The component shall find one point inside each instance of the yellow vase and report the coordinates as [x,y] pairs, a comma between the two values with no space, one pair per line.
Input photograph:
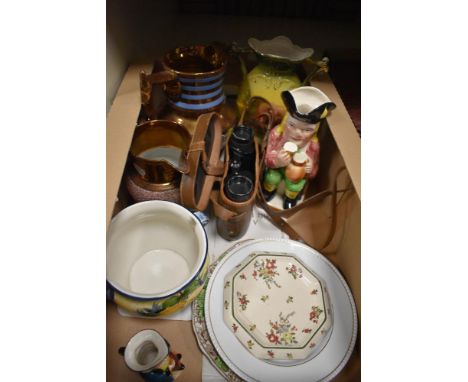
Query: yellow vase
[275,73]
[267,80]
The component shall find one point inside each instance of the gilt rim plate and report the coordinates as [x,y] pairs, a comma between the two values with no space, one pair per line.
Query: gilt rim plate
[199,324]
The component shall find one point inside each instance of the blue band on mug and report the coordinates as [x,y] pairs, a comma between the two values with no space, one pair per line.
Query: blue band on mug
[202,96]
[202,88]
[202,106]
[208,79]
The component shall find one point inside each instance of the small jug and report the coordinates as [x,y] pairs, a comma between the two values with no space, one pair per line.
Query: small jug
[157,152]
[149,354]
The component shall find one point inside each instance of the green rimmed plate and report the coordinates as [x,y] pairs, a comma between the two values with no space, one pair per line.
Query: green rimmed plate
[199,324]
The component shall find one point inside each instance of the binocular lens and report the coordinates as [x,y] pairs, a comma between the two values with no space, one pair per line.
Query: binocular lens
[239,188]
[242,134]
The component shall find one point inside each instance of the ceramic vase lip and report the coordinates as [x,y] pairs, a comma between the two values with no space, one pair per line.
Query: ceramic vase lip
[145,350]
[280,48]
[144,208]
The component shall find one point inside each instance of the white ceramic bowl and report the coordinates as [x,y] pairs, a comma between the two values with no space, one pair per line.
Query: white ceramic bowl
[156,258]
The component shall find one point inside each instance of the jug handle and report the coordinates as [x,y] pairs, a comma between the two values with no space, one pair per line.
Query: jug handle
[236,50]
[242,65]
[167,79]
[320,66]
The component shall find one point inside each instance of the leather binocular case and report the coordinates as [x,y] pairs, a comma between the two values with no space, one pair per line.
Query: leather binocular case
[232,216]
[207,169]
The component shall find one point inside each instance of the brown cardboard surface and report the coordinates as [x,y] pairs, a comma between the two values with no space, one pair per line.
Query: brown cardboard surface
[348,255]
[178,333]
[352,370]
[121,122]
[343,130]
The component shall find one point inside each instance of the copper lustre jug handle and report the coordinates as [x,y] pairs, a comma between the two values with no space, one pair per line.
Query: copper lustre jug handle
[166,78]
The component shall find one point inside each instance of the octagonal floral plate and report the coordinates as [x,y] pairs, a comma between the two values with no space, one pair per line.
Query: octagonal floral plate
[276,307]
[337,346]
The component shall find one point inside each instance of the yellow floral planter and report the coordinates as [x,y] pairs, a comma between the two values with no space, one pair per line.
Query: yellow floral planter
[157,258]
[162,306]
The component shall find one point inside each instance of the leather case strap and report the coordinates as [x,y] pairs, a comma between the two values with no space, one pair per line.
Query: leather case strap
[219,210]
[204,164]
[280,217]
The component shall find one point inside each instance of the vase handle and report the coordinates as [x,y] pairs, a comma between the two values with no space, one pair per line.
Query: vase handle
[318,66]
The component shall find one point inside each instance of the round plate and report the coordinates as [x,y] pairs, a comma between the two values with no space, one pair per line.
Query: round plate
[325,365]
[199,324]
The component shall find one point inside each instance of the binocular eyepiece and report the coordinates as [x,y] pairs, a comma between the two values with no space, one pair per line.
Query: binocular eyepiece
[239,183]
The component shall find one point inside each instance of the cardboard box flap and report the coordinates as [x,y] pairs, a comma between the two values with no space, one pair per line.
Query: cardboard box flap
[121,122]
[343,131]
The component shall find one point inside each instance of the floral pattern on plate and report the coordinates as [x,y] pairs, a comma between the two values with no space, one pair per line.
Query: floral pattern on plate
[278,307]
[266,270]
[282,333]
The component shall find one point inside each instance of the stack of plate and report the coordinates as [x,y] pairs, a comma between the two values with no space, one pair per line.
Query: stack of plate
[332,325]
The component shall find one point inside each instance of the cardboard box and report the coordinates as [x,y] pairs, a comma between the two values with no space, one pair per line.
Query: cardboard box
[340,146]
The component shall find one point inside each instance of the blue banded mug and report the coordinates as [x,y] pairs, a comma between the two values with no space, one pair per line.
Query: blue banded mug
[192,78]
